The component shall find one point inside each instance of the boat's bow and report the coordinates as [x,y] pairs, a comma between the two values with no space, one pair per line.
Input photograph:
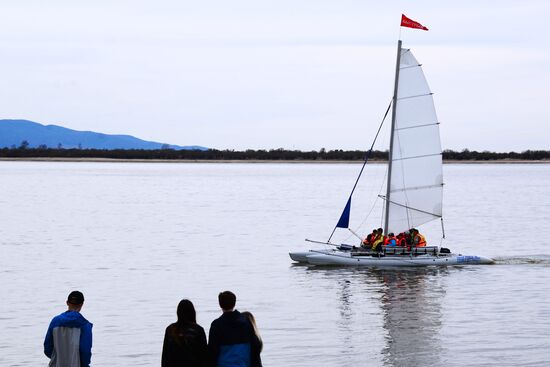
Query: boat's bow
[473,260]
[299,256]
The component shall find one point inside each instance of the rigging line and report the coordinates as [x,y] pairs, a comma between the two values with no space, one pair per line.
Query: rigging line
[372,207]
[375,203]
[367,155]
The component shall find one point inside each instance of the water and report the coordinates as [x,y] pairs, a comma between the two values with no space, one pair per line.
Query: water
[136,238]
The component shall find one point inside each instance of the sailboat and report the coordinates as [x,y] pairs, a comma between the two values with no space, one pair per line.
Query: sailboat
[414,189]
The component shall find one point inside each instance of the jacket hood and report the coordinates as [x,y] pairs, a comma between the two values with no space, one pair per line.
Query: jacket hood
[72,319]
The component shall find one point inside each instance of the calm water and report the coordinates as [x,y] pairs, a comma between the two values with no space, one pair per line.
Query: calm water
[136,238]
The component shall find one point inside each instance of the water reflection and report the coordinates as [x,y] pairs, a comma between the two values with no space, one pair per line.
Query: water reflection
[390,317]
[411,302]
[347,317]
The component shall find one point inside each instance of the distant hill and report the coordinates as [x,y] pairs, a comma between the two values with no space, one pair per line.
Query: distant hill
[14,132]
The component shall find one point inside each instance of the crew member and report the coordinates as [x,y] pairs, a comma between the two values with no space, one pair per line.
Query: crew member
[378,240]
[418,239]
[367,242]
[390,240]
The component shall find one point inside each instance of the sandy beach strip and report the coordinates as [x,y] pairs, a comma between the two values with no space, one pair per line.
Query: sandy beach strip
[116,160]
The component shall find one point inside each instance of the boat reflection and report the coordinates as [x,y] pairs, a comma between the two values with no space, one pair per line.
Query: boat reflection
[384,317]
[411,302]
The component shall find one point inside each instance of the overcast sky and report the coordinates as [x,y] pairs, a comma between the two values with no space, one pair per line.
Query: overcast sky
[260,74]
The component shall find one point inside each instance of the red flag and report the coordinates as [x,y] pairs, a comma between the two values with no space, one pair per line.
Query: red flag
[406,22]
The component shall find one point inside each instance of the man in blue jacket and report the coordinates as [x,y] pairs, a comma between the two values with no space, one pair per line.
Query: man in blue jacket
[68,341]
[232,341]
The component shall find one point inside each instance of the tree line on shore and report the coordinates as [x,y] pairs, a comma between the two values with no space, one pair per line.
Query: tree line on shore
[24,151]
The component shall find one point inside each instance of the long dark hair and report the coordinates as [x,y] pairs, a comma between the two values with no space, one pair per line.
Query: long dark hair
[186,313]
[187,317]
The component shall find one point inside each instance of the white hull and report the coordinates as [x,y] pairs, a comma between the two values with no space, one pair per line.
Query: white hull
[341,258]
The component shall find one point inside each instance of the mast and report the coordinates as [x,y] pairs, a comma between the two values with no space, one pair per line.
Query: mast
[394,108]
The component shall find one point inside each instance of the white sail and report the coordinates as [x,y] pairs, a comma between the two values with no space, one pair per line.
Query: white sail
[415,182]
[416,187]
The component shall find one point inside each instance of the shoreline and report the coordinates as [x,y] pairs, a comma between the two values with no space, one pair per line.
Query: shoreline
[253,161]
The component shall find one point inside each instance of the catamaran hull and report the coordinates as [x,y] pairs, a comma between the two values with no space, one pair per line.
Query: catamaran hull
[300,257]
[337,258]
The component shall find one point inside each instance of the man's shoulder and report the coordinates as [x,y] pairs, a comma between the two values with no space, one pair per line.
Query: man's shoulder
[225,318]
[59,319]
[235,319]
[71,319]
[217,322]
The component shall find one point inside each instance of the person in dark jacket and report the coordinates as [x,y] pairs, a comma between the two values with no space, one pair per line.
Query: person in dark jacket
[185,341]
[232,341]
[68,341]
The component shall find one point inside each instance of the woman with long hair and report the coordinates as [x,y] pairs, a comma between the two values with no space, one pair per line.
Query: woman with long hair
[257,345]
[184,341]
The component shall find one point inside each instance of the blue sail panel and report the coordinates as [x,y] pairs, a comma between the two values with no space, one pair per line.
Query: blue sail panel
[344,218]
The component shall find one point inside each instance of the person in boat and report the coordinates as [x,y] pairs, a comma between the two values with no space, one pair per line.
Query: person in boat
[418,240]
[378,240]
[401,240]
[390,240]
[409,239]
[367,242]
[185,340]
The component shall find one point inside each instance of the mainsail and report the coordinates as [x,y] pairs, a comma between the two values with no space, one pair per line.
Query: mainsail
[415,185]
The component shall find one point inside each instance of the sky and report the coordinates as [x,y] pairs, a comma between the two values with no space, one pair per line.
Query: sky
[256,74]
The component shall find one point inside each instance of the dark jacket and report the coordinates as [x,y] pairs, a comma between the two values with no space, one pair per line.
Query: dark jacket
[184,346]
[68,341]
[232,342]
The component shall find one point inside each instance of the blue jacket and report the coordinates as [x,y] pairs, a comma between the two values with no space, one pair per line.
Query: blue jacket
[69,340]
[232,342]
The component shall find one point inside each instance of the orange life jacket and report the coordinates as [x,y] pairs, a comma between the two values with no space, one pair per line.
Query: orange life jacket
[421,240]
[368,240]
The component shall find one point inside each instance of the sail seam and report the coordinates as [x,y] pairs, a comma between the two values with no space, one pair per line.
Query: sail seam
[418,156]
[414,127]
[415,96]
[410,66]
[418,188]
[411,208]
